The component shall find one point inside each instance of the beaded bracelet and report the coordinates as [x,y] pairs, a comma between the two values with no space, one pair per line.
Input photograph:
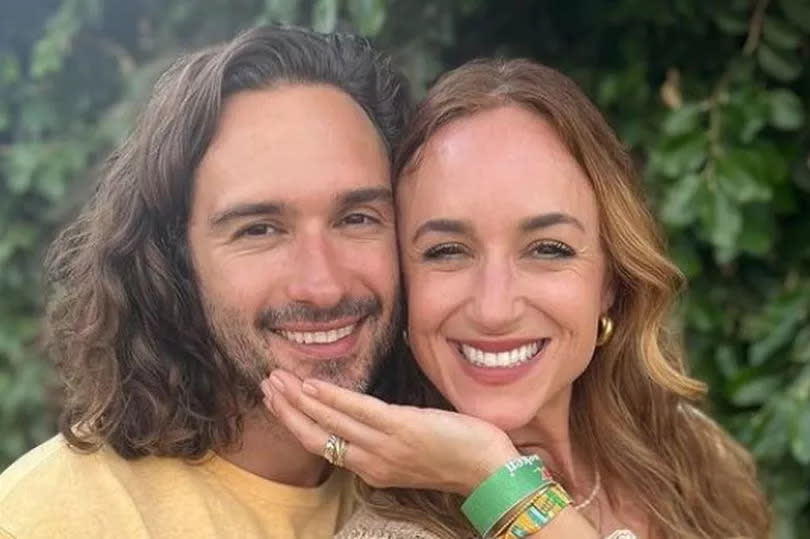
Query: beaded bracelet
[543,508]
[509,518]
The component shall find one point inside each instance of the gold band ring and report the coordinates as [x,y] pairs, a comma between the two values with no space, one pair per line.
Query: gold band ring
[335,450]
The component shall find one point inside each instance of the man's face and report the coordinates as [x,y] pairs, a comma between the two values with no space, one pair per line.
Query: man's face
[292,236]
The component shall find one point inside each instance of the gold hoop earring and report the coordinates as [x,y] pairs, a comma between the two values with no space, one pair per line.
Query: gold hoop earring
[605,330]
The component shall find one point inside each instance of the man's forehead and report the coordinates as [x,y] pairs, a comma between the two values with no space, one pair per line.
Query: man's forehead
[289,114]
[322,150]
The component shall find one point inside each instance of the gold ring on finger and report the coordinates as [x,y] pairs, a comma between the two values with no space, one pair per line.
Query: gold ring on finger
[340,451]
[334,450]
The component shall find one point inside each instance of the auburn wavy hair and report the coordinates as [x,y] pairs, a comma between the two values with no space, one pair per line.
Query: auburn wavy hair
[126,326]
[634,409]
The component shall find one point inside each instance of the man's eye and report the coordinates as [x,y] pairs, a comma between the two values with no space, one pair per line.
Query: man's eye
[257,230]
[551,249]
[359,219]
[445,251]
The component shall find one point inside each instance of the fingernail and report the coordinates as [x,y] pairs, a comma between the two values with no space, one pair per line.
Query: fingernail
[277,383]
[309,389]
[266,389]
[269,403]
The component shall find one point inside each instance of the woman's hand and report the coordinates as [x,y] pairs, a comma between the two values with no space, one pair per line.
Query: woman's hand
[389,445]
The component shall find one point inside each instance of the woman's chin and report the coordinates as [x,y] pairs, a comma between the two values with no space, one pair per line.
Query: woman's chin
[507,418]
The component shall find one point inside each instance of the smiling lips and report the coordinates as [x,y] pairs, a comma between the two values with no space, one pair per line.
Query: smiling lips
[501,355]
[323,341]
[317,337]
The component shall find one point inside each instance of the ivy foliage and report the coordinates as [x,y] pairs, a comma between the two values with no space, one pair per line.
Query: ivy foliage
[711,96]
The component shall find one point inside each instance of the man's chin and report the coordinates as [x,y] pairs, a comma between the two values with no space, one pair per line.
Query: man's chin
[348,373]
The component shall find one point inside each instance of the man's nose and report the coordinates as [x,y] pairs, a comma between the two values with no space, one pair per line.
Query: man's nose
[316,275]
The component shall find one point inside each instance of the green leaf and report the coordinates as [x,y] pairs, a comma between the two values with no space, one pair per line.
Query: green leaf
[798,12]
[54,46]
[678,208]
[683,119]
[284,11]
[324,15]
[783,66]
[684,154]
[23,161]
[773,426]
[787,111]
[758,233]
[367,16]
[756,390]
[738,180]
[800,445]
[726,360]
[723,222]
[731,23]
[782,319]
[51,184]
[801,346]
[18,236]
[5,117]
[9,69]
[780,34]
[609,88]
[686,257]
[801,176]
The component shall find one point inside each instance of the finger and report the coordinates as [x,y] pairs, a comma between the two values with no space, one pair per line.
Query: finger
[311,436]
[328,418]
[364,408]
[314,438]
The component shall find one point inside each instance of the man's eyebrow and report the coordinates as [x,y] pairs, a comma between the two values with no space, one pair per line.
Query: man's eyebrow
[249,209]
[548,219]
[452,226]
[364,196]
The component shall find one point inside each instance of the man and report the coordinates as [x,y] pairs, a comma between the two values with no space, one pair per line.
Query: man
[246,224]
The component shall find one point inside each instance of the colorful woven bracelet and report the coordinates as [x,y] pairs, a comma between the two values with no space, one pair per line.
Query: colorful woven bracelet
[509,518]
[510,485]
[540,512]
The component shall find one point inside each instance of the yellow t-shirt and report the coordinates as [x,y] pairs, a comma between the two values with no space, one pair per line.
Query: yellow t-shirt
[53,492]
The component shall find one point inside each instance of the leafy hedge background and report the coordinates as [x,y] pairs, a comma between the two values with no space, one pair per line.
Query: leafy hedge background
[712,96]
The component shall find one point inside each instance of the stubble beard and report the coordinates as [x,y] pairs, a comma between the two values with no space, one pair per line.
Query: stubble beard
[247,345]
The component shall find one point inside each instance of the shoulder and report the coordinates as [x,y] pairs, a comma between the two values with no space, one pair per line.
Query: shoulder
[55,488]
[48,480]
[365,524]
[47,463]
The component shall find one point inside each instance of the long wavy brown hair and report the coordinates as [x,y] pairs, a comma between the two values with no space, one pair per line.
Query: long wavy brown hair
[634,409]
[127,328]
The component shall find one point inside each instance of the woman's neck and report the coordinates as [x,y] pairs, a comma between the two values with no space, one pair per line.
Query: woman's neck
[548,434]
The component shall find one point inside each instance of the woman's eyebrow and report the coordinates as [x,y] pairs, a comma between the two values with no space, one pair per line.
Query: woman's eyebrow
[453,226]
[549,219]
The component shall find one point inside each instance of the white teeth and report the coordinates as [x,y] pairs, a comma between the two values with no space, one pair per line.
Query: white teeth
[317,337]
[510,358]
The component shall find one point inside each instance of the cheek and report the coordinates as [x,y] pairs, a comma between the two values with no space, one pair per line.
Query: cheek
[571,299]
[433,298]
[375,266]
[238,282]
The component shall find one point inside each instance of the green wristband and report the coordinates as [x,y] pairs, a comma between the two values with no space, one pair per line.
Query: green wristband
[508,486]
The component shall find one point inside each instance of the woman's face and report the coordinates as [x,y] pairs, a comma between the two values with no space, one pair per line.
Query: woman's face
[505,274]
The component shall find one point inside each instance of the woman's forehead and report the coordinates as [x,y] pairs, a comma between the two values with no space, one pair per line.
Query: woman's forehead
[504,159]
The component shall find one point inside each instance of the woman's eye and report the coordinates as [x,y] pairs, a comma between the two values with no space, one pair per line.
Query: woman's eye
[257,230]
[551,249]
[358,219]
[444,251]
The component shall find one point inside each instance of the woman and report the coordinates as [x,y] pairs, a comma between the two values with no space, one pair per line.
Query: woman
[538,301]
